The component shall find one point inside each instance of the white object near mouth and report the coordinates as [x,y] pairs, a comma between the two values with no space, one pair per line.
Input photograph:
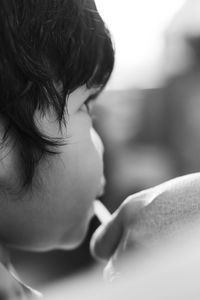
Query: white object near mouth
[101,212]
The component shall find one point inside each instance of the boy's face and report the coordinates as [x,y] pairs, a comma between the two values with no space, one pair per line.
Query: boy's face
[57,212]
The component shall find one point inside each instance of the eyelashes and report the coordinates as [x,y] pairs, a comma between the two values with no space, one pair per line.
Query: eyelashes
[89,105]
[90,102]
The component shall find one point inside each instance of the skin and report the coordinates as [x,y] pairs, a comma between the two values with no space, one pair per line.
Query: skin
[56,212]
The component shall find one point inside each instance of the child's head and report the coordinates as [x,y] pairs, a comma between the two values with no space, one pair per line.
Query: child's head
[54,55]
[49,48]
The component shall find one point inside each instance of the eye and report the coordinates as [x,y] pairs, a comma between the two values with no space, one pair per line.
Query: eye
[89,104]
[85,107]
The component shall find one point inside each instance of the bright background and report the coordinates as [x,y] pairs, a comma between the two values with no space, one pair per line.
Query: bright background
[137,28]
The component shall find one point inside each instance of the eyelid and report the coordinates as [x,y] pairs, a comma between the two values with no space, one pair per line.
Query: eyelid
[89,104]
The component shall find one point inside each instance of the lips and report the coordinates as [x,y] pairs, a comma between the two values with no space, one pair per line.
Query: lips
[101,190]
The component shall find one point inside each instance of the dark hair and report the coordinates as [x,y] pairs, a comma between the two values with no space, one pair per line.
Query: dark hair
[43,42]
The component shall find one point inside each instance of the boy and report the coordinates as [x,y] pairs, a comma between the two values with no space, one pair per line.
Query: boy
[55,58]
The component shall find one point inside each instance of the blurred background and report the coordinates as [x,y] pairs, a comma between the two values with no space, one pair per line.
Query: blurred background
[148,116]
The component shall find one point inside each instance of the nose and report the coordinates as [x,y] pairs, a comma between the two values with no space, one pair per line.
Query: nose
[100,150]
[97,142]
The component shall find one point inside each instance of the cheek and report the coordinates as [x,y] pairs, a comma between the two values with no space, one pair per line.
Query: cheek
[83,187]
[81,172]
[87,171]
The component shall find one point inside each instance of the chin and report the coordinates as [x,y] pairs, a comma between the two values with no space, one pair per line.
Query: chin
[69,246]
[76,240]
[33,247]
